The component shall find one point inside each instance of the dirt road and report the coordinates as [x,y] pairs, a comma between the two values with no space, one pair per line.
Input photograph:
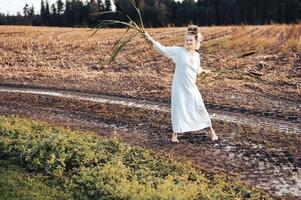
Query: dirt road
[256,148]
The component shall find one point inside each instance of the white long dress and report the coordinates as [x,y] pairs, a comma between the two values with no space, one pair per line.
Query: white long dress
[188,112]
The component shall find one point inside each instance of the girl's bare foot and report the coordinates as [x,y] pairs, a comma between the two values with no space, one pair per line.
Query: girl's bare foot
[175,138]
[213,135]
[214,138]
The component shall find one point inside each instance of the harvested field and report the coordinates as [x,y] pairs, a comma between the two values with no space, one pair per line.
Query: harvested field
[60,75]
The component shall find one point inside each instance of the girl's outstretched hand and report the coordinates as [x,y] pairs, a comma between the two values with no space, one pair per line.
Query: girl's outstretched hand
[207,71]
[147,37]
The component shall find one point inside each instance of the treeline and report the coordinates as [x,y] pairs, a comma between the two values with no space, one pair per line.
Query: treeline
[68,13]
[157,13]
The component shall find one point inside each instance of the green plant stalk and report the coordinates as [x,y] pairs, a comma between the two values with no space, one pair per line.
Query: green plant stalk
[135,5]
[120,45]
[218,69]
[123,40]
[126,15]
[116,43]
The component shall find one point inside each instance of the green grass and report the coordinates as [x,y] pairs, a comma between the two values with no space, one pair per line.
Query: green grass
[17,184]
[92,167]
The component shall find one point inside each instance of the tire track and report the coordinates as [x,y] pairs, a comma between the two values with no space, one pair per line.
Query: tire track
[246,118]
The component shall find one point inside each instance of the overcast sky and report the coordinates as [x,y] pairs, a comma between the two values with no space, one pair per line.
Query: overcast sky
[13,6]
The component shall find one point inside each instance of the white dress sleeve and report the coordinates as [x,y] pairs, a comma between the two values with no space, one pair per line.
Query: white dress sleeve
[170,52]
[200,69]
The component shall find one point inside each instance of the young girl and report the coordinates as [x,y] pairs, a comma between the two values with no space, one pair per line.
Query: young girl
[188,112]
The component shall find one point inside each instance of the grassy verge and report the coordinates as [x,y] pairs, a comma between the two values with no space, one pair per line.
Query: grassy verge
[17,184]
[91,167]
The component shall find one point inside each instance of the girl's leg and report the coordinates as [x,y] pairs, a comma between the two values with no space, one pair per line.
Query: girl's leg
[174,137]
[212,133]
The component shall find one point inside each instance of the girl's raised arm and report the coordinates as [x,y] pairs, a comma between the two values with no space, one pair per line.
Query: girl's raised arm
[169,52]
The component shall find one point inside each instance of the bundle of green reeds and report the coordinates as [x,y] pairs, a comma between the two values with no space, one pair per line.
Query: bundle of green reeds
[133,29]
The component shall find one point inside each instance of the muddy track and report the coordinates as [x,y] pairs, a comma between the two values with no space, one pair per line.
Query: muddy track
[258,150]
[281,109]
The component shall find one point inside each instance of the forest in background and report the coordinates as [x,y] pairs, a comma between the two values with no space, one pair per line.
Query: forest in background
[159,13]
